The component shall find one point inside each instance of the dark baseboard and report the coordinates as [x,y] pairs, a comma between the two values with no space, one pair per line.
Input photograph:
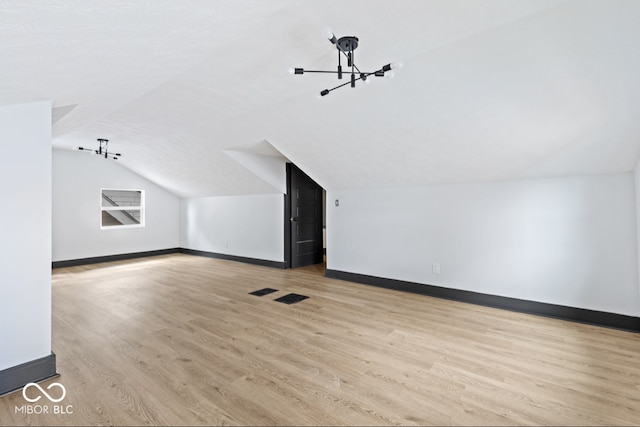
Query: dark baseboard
[122,257]
[599,318]
[254,261]
[16,377]
[109,258]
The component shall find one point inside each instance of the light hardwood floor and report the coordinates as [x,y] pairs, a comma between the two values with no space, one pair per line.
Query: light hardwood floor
[177,340]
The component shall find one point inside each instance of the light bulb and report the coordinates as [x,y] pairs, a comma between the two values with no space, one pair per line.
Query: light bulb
[290,71]
[328,33]
[390,74]
[397,65]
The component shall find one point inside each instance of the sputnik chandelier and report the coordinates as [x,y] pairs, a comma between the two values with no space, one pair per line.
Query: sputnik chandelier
[102,150]
[346,47]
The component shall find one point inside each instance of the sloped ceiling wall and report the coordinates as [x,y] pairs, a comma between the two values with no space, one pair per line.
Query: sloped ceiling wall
[490,90]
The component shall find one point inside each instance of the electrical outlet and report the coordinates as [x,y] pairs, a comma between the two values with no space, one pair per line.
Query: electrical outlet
[435,268]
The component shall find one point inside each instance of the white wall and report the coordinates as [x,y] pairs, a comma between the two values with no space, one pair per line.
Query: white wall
[637,188]
[246,226]
[25,230]
[78,178]
[568,241]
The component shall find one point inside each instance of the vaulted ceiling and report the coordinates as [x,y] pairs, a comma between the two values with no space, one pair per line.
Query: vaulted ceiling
[490,89]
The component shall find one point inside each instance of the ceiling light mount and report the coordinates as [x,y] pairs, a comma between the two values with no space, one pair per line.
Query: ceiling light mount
[347,43]
[103,150]
[346,47]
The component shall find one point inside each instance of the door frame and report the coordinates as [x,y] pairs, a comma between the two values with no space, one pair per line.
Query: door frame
[287,218]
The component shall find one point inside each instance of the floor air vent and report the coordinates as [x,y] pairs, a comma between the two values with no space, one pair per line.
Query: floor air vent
[261,292]
[291,298]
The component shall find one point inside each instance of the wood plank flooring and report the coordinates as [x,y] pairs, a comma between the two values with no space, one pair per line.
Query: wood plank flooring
[178,340]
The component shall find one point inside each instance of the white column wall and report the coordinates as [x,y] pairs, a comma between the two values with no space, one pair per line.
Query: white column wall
[637,188]
[568,241]
[25,233]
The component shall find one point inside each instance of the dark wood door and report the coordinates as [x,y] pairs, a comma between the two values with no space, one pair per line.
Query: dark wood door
[305,222]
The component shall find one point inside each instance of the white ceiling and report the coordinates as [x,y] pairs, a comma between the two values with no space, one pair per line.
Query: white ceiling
[490,89]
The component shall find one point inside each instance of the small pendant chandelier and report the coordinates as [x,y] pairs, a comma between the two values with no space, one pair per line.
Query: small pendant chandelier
[346,47]
[102,150]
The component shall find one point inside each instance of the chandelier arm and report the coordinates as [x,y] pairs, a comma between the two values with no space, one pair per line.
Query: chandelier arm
[320,71]
[367,73]
[347,83]
[353,64]
[381,71]
[338,87]
[353,61]
[335,72]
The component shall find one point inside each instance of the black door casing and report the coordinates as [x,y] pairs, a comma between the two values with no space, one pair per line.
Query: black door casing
[304,211]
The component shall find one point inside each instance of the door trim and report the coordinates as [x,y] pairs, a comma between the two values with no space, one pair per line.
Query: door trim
[288,248]
[287,220]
